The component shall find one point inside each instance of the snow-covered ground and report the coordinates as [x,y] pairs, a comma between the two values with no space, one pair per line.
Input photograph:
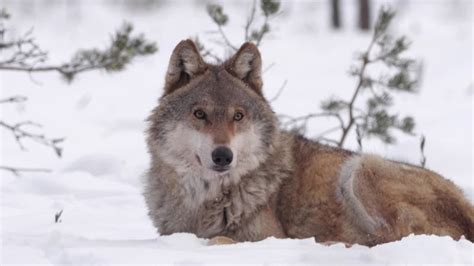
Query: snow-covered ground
[97,182]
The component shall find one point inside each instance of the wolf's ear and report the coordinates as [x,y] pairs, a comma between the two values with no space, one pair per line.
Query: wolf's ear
[185,63]
[246,65]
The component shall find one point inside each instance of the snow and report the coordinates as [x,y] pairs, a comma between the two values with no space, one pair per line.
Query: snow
[97,183]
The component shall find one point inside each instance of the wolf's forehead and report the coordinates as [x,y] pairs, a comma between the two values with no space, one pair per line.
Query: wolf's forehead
[222,92]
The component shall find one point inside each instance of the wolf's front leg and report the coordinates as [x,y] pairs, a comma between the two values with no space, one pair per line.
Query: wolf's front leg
[212,216]
[233,212]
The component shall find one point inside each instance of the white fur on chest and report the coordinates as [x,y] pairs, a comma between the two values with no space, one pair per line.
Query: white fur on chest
[198,189]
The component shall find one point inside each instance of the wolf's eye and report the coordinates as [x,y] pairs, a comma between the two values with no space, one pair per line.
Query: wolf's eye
[238,116]
[199,114]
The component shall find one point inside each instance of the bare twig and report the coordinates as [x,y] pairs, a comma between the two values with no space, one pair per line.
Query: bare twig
[263,32]
[327,140]
[226,40]
[57,216]
[14,99]
[22,52]
[19,133]
[208,53]
[328,131]
[280,90]
[307,117]
[359,137]
[348,127]
[265,70]
[304,120]
[16,171]
[250,20]
[64,69]
[422,150]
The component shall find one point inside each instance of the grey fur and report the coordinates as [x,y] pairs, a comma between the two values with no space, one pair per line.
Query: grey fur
[347,187]
[278,184]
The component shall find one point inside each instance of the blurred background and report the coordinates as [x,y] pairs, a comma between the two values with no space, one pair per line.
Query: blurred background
[85,163]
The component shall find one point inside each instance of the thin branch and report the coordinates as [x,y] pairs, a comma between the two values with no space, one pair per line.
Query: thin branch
[19,134]
[31,68]
[57,216]
[268,67]
[64,69]
[327,140]
[359,136]
[280,90]
[331,130]
[224,37]
[260,37]
[306,118]
[14,99]
[208,53]
[365,62]
[24,51]
[422,150]
[250,20]
[16,171]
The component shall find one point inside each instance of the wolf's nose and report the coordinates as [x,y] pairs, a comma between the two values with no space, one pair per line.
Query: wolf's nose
[222,156]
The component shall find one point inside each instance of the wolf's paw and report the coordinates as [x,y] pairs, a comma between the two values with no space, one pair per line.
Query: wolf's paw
[232,226]
[220,240]
[233,219]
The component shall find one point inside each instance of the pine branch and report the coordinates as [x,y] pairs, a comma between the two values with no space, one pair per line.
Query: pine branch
[24,54]
[27,56]
[269,9]
[360,83]
[374,119]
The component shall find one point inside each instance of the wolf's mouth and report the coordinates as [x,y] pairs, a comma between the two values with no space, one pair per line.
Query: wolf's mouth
[221,169]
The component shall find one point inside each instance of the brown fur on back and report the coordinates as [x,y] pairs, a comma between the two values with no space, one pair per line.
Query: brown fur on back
[411,199]
[390,200]
[308,203]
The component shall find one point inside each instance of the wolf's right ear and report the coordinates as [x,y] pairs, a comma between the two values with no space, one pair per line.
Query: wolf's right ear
[246,65]
[185,63]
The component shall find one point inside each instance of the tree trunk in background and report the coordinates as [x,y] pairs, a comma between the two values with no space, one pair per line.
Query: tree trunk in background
[364,14]
[336,14]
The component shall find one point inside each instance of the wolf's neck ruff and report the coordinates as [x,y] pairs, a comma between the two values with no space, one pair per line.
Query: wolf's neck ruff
[201,186]
[216,204]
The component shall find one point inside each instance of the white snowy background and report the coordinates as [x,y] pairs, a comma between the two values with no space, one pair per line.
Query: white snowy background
[97,182]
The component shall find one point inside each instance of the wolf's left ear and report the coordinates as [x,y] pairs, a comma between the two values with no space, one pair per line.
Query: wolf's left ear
[185,63]
[246,65]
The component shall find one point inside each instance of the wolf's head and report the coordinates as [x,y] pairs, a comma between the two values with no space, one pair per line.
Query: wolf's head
[212,120]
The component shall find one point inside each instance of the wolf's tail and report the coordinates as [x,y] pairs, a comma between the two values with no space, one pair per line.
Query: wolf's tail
[469,224]
[460,212]
[469,232]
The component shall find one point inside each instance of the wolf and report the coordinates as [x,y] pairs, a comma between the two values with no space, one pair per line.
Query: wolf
[221,167]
